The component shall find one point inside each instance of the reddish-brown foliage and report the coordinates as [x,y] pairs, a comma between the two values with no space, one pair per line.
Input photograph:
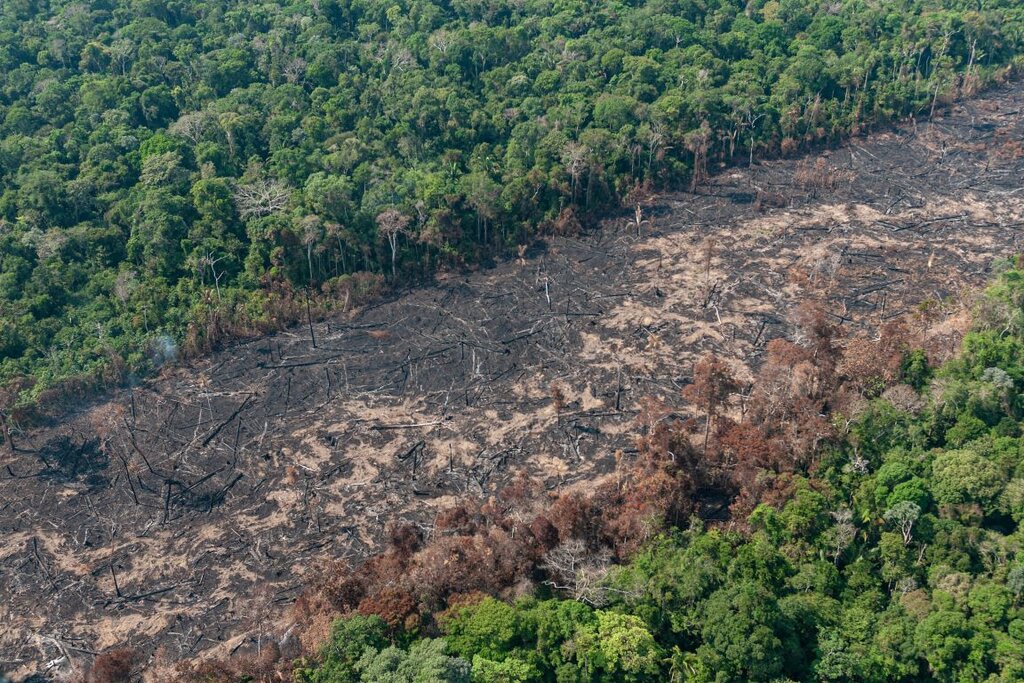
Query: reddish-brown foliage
[457,520]
[544,531]
[872,365]
[640,508]
[404,538]
[790,397]
[115,666]
[567,224]
[262,666]
[393,604]
[744,447]
[575,516]
[765,488]
[712,386]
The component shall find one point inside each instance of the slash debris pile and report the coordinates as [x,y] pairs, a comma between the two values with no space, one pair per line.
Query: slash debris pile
[183,513]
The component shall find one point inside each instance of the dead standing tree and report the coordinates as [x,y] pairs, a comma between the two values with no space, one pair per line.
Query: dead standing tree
[699,142]
[9,414]
[8,397]
[312,233]
[192,126]
[712,385]
[574,568]
[392,223]
[638,220]
[261,198]
[574,157]
[708,257]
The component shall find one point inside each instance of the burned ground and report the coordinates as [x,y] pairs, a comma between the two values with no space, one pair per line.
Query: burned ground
[183,514]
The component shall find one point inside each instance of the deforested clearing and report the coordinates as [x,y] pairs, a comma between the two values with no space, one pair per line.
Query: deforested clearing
[183,514]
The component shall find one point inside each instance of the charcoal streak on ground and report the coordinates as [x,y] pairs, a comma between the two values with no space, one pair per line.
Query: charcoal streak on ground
[185,513]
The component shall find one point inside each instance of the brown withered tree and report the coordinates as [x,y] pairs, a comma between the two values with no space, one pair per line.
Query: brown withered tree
[114,666]
[712,385]
[873,364]
[791,398]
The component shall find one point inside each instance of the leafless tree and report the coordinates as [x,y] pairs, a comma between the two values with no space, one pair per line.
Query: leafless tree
[906,585]
[294,70]
[904,398]
[191,126]
[903,516]
[858,463]
[655,144]
[125,284]
[403,60]
[207,260]
[442,41]
[574,156]
[638,220]
[578,571]
[842,534]
[121,52]
[261,198]
[312,231]
[749,121]
[391,224]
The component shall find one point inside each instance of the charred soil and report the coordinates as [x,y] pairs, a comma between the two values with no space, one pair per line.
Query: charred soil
[184,514]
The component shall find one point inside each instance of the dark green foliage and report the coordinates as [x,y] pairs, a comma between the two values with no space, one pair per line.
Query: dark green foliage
[351,640]
[184,170]
[907,568]
[915,369]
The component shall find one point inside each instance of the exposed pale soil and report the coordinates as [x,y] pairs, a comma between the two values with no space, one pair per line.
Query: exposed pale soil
[182,515]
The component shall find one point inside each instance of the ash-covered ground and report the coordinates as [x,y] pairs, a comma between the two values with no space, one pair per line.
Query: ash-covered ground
[182,515]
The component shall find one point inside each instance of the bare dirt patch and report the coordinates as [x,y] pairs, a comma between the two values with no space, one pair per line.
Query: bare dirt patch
[182,514]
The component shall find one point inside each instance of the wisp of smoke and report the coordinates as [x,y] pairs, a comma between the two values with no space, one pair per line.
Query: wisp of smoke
[162,349]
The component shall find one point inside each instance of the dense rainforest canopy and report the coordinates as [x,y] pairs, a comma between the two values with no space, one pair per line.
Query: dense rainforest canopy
[176,173]
[892,554]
